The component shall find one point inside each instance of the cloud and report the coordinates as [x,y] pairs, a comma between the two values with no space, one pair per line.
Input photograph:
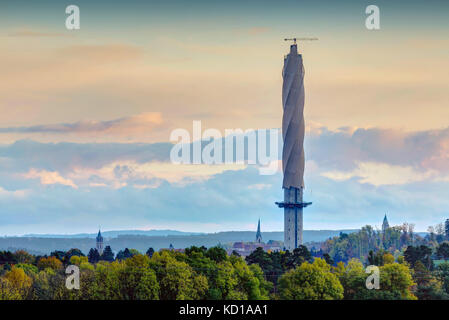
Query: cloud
[344,149]
[137,127]
[147,174]
[225,201]
[382,174]
[353,176]
[374,155]
[117,126]
[49,177]
[15,193]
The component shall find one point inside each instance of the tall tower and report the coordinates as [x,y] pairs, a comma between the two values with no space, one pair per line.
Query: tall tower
[293,152]
[258,233]
[99,243]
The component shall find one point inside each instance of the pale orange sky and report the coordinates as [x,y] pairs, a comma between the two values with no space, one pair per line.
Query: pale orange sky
[379,80]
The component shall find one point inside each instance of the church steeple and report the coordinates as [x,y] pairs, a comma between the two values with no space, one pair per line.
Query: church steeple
[385,224]
[99,242]
[258,233]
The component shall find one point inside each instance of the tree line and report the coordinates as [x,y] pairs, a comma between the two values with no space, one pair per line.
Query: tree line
[337,270]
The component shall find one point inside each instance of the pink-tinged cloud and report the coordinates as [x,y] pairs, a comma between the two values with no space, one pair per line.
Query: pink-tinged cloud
[49,177]
[345,149]
[133,126]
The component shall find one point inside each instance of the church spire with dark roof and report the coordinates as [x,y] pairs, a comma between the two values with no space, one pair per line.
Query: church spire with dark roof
[385,224]
[258,233]
[99,244]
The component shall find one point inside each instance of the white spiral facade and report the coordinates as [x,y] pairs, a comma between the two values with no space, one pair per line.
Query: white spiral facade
[293,120]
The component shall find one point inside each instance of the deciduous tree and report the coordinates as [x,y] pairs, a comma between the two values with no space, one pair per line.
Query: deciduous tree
[310,281]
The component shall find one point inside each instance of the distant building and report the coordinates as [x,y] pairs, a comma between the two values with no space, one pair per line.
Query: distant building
[239,246]
[245,248]
[258,233]
[274,245]
[385,224]
[99,243]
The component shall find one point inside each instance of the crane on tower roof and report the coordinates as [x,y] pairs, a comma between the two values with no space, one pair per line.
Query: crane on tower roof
[300,39]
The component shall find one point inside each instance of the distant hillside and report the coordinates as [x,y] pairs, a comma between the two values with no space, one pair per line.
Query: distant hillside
[113,234]
[46,244]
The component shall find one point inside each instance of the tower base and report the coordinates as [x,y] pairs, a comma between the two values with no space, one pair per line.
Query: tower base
[293,217]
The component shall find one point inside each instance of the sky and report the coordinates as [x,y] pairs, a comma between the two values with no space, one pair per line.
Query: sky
[87,114]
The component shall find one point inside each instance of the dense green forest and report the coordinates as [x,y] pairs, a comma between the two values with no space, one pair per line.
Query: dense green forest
[411,267]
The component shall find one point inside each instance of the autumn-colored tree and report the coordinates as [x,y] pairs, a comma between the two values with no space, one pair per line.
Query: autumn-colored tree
[78,260]
[49,284]
[72,252]
[20,283]
[427,287]
[7,291]
[49,262]
[200,273]
[28,268]
[41,287]
[397,278]
[24,257]
[86,266]
[388,258]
